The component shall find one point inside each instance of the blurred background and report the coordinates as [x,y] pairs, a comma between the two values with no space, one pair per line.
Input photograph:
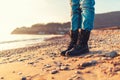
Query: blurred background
[46,17]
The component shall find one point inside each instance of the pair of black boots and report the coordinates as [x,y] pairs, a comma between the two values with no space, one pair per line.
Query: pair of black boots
[78,44]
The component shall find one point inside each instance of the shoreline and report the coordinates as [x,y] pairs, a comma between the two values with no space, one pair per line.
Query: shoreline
[29,48]
[43,61]
[28,45]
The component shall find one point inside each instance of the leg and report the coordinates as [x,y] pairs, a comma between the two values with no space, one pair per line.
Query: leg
[87,7]
[75,14]
[74,25]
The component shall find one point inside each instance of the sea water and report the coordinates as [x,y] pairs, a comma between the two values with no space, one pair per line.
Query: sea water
[10,41]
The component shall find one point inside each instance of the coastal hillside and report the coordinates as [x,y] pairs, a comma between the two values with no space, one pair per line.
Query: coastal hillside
[105,20]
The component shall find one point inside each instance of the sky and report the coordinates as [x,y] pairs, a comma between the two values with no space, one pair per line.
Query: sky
[19,13]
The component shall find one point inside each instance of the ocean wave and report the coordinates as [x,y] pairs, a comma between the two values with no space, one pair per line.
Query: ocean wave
[13,41]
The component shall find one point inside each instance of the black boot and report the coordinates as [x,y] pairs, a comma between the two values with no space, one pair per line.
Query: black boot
[73,37]
[82,46]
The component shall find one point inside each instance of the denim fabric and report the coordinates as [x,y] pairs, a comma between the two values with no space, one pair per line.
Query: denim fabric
[82,14]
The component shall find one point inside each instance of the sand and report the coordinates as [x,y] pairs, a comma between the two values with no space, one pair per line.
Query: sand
[43,60]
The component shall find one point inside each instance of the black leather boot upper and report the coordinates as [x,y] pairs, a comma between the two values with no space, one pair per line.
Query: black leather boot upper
[73,41]
[82,45]
[83,37]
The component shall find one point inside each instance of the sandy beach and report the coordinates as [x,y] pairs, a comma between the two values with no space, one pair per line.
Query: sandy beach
[43,61]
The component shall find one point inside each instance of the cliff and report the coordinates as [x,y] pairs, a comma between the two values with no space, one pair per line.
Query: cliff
[104,20]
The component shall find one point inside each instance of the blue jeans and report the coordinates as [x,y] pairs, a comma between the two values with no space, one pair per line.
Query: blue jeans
[82,14]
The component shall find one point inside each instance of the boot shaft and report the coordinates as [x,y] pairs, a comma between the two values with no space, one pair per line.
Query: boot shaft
[74,36]
[83,37]
[73,39]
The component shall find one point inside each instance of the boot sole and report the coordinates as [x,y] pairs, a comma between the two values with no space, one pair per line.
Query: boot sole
[78,54]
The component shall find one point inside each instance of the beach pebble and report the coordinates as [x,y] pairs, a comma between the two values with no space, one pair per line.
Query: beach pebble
[31,63]
[54,71]
[40,59]
[111,54]
[47,66]
[53,58]
[102,55]
[52,77]
[19,73]
[13,72]
[74,60]
[78,78]
[65,58]
[21,59]
[86,64]
[58,63]
[70,79]
[97,55]
[64,67]
[88,56]
[79,66]
[116,69]
[81,57]
[10,61]
[73,76]
[23,78]
[93,62]
[52,54]
[2,78]
[67,64]
[105,58]
[87,71]
[77,72]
